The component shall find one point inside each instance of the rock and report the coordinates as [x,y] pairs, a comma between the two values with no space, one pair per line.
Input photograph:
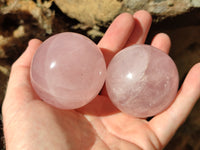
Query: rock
[196,3]
[3,41]
[162,8]
[71,85]
[142,81]
[18,25]
[100,12]
[89,11]
[186,51]
[4,74]
[40,11]
[18,33]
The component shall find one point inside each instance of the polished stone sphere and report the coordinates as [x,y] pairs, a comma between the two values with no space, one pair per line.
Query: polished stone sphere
[68,70]
[142,81]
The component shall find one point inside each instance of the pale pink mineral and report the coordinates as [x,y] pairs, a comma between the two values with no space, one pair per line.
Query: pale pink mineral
[68,70]
[142,81]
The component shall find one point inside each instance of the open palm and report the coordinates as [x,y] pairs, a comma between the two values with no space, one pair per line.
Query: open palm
[29,123]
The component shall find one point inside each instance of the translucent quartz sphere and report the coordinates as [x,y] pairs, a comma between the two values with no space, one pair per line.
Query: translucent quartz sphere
[142,81]
[68,70]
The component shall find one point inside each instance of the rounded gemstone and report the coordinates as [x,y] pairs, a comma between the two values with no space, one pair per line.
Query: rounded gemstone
[142,81]
[68,70]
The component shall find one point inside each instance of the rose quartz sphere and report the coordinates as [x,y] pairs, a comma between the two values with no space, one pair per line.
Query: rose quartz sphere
[142,81]
[68,70]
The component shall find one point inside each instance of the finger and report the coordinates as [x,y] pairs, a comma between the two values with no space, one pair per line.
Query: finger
[118,33]
[131,129]
[26,58]
[19,81]
[20,69]
[116,36]
[143,22]
[165,124]
[162,42]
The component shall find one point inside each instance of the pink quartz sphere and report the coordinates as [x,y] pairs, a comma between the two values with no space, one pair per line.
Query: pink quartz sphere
[142,81]
[68,70]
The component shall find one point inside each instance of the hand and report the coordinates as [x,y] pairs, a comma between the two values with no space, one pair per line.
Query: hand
[29,123]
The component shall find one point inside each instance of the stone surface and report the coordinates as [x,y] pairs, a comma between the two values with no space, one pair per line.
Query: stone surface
[4,75]
[89,11]
[142,80]
[101,12]
[195,3]
[39,11]
[3,41]
[68,70]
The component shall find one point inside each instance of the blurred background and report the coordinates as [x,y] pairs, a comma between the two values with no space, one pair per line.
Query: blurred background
[22,20]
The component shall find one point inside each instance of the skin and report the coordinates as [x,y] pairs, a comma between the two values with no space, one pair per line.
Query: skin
[29,123]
